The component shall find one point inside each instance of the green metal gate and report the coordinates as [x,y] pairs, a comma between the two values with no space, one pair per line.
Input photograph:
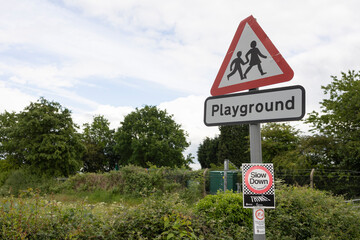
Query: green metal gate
[217,181]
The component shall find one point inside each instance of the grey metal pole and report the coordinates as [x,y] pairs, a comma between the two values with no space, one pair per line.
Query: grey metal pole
[226,168]
[255,143]
[255,157]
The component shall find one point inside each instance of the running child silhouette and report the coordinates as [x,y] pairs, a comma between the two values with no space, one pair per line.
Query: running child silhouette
[237,62]
[254,53]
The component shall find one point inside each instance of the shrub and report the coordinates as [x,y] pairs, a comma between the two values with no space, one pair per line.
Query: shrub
[23,179]
[138,182]
[164,217]
[39,218]
[226,208]
[305,213]
[223,216]
[301,213]
[35,217]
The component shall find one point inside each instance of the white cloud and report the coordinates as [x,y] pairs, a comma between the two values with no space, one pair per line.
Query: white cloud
[12,99]
[56,47]
[115,115]
[169,42]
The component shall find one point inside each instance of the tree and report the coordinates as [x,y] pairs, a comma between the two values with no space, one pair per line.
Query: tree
[339,121]
[151,136]
[7,123]
[98,139]
[44,137]
[99,142]
[208,152]
[234,144]
[277,139]
[283,146]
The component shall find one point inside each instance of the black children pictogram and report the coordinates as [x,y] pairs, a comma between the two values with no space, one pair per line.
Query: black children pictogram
[254,53]
[237,62]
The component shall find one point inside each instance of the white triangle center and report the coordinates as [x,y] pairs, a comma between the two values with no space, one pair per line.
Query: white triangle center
[250,57]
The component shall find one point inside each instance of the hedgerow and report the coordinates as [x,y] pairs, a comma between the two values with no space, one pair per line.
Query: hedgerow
[300,213]
[136,181]
[305,213]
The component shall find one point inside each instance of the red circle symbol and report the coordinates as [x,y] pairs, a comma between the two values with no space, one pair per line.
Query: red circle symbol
[260,214]
[268,183]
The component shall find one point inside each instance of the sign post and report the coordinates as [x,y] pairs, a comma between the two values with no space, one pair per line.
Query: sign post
[252,61]
[256,157]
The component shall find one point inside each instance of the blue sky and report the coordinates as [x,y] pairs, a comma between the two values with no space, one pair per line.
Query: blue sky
[109,57]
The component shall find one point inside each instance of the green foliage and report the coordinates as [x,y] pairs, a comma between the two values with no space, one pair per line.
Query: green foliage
[5,169]
[156,218]
[177,226]
[139,182]
[208,152]
[150,136]
[335,148]
[22,179]
[234,144]
[284,147]
[226,208]
[339,120]
[99,142]
[44,137]
[304,213]
[339,113]
[277,139]
[301,213]
[7,123]
[164,217]
[40,218]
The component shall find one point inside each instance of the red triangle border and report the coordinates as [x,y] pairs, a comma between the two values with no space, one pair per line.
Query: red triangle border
[287,75]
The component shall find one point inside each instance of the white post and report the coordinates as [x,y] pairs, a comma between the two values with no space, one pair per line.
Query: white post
[312,178]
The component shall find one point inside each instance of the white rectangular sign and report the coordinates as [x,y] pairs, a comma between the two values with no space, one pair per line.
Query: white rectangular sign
[259,221]
[270,105]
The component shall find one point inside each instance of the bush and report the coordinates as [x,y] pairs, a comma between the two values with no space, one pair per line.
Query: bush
[5,169]
[305,213]
[224,217]
[226,208]
[301,213]
[164,217]
[139,182]
[40,218]
[23,179]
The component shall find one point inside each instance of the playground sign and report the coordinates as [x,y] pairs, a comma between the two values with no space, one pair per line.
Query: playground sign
[270,105]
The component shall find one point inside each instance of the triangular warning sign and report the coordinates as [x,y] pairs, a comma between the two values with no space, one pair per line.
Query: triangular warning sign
[252,61]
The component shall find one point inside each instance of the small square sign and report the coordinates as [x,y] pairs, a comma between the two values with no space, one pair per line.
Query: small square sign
[258,185]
